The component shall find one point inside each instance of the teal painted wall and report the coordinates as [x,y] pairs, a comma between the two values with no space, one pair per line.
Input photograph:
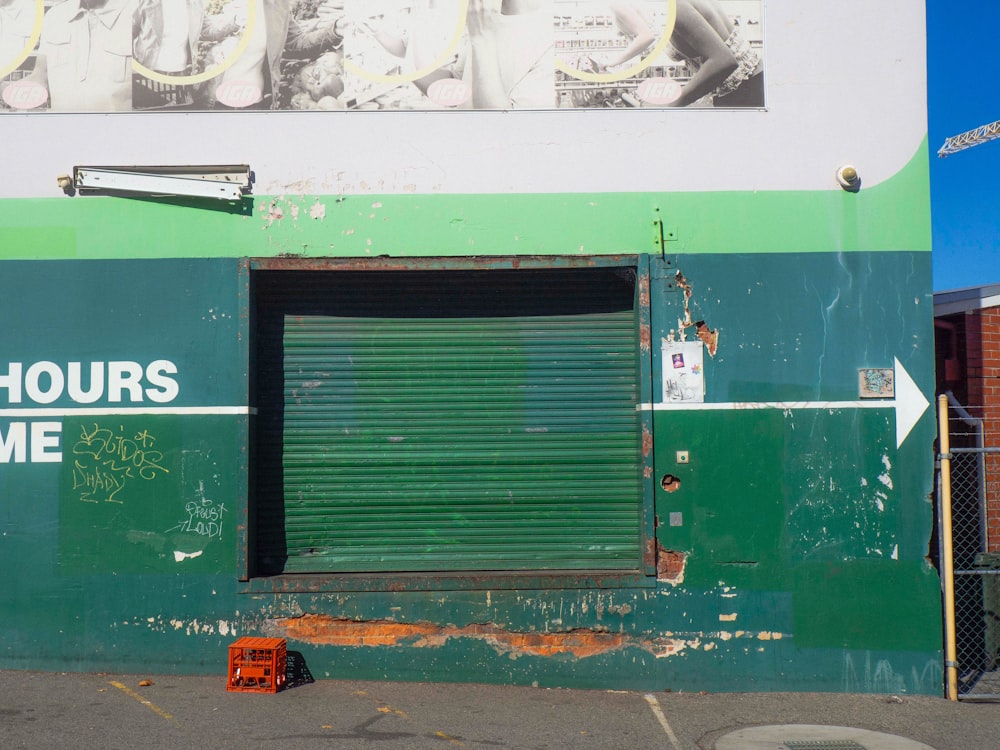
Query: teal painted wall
[803,531]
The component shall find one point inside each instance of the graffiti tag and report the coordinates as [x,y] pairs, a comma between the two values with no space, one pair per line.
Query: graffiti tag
[106,460]
[203,517]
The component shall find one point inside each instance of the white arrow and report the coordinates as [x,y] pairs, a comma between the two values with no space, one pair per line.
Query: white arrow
[909,404]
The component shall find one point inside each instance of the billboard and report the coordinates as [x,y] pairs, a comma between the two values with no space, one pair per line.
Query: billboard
[207,55]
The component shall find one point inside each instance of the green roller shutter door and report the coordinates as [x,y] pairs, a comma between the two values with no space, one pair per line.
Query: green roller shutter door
[471,427]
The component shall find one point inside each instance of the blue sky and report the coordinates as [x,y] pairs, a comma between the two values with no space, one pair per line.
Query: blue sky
[964,93]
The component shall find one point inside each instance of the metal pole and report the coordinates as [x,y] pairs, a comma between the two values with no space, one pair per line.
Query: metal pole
[947,559]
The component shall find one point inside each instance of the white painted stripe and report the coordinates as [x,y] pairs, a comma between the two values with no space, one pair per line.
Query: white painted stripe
[84,411]
[909,404]
[660,717]
[784,405]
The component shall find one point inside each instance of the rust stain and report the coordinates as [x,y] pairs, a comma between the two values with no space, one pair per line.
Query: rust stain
[645,337]
[428,263]
[708,336]
[416,582]
[649,548]
[580,642]
[647,442]
[326,630]
[670,564]
[644,291]
[670,483]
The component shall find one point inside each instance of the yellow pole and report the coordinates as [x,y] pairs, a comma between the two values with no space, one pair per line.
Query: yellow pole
[947,560]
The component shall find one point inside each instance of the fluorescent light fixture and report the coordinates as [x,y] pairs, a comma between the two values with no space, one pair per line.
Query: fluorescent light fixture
[222,182]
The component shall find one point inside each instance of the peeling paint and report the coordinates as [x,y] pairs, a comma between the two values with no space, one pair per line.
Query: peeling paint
[579,643]
[193,627]
[647,441]
[708,336]
[645,337]
[317,211]
[670,565]
[274,212]
[645,333]
[885,477]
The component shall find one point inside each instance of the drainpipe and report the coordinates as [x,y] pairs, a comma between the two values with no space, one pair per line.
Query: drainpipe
[947,561]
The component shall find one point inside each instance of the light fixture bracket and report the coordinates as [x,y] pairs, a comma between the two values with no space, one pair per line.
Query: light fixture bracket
[228,182]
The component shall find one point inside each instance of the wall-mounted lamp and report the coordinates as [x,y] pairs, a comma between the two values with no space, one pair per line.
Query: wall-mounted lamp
[849,179]
[223,182]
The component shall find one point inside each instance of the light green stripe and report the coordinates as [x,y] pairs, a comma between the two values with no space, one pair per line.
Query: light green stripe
[891,216]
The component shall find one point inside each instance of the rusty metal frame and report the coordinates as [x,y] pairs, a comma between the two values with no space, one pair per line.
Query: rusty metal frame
[442,263]
[307,583]
[645,369]
[244,540]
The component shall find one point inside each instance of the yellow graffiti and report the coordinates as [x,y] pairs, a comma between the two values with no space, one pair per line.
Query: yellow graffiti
[106,459]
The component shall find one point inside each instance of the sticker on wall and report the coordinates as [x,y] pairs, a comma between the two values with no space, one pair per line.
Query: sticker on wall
[876,382]
[683,371]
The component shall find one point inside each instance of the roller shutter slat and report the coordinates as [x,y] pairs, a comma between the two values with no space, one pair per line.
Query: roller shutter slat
[450,442]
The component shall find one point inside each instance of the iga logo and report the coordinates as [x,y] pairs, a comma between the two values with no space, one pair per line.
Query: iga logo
[25,95]
[449,92]
[238,94]
[659,90]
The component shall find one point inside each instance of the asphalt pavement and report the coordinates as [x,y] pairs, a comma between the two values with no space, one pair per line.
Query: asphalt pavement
[72,710]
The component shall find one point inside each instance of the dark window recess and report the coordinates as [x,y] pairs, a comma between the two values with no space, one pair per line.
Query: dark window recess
[443,421]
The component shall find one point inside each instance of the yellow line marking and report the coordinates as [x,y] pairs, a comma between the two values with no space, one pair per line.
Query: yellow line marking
[143,701]
[449,738]
[385,708]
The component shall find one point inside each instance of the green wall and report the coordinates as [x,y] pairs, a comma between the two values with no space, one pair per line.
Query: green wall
[803,531]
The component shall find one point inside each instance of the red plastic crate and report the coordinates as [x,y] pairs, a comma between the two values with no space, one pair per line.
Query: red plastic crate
[257,665]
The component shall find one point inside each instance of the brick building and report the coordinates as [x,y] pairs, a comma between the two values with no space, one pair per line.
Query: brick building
[967,349]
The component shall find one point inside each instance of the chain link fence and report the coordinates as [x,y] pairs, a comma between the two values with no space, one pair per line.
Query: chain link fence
[975,504]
